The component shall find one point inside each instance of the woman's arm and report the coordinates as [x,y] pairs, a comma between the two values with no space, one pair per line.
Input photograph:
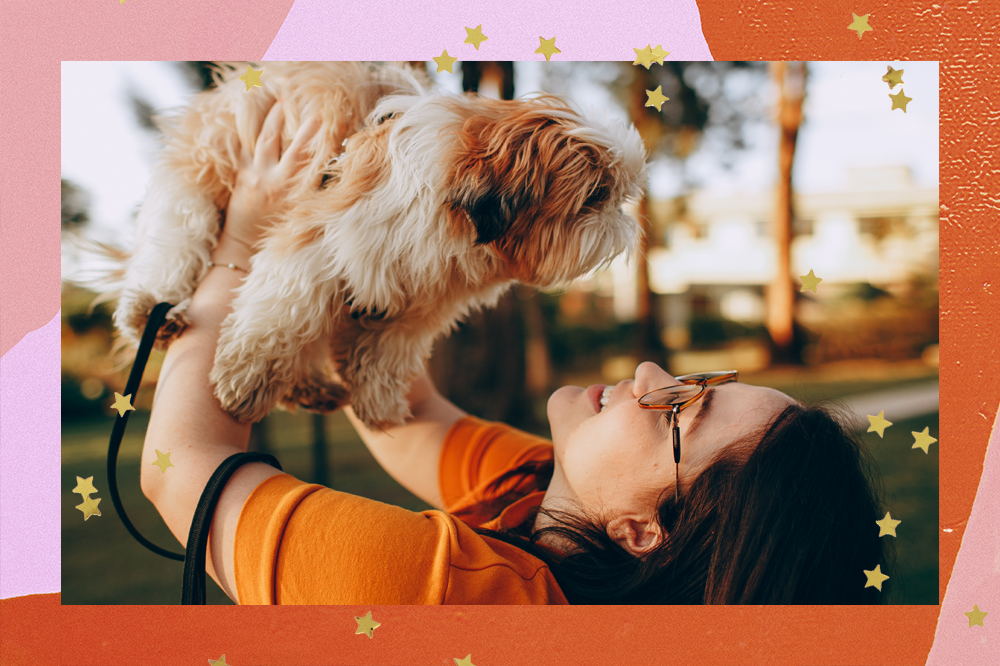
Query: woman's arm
[187,421]
[411,452]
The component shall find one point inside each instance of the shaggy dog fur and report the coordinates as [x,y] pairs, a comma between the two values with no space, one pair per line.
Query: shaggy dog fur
[436,205]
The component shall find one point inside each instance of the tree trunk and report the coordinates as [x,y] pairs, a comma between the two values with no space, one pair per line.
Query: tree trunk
[790,78]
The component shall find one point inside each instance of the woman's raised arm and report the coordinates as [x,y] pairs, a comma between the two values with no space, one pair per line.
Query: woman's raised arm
[411,452]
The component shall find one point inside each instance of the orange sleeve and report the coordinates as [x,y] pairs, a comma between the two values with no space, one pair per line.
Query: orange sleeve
[301,543]
[475,452]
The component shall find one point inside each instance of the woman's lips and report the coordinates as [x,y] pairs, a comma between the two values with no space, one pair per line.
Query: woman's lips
[594,394]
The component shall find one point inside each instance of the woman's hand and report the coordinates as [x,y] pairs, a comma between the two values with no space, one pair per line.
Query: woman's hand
[264,179]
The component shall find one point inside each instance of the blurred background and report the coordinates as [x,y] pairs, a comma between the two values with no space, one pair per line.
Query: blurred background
[759,173]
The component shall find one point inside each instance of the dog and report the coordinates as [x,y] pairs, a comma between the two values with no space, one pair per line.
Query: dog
[432,205]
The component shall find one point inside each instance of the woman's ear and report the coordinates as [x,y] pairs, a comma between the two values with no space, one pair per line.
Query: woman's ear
[636,535]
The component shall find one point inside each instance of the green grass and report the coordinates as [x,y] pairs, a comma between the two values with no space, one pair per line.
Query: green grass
[103,564]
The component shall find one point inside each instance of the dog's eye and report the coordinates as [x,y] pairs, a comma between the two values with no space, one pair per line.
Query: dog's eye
[384,118]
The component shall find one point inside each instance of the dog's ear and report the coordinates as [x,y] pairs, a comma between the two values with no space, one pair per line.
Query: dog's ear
[494,178]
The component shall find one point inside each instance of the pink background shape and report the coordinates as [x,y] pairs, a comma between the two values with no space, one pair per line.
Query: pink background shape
[324,30]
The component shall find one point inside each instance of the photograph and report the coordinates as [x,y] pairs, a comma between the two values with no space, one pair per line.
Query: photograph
[582,333]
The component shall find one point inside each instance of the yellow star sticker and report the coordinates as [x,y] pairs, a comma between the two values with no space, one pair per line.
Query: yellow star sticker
[876,578]
[659,54]
[221,661]
[122,403]
[887,525]
[893,77]
[810,281]
[162,461]
[252,78]
[548,47]
[444,62]
[85,486]
[899,100]
[475,36]
[976,616]
[656,98]
[922,439]
[465,662]
[89,507]
[366,625]
[878,423]
[643,56]
[860,24]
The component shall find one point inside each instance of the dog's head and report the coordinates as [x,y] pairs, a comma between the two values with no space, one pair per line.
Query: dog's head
[543,186]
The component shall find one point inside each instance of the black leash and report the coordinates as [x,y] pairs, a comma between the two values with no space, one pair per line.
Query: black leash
[193,590]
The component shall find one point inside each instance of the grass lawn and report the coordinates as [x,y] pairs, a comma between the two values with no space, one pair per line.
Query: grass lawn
[103,564]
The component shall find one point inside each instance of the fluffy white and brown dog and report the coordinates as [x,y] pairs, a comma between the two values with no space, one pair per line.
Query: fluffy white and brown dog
[432,205]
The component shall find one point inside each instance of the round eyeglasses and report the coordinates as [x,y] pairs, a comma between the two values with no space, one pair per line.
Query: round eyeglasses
[678,398]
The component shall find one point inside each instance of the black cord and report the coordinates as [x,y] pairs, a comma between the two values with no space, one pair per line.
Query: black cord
[193,589]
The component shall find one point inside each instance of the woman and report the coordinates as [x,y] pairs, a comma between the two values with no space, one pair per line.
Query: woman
[773,503]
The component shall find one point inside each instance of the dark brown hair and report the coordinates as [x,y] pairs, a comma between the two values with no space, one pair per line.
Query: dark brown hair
[784,517]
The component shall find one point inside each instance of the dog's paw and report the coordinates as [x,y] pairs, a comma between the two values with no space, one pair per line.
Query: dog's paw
[317,394]
[173,324]
[244,393]
[379,405]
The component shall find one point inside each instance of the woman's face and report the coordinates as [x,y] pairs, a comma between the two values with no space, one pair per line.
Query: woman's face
[616,460]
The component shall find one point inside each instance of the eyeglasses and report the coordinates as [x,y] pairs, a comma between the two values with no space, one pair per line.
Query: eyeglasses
[678,398]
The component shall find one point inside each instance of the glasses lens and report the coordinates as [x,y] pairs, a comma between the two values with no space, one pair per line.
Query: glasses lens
[674,395]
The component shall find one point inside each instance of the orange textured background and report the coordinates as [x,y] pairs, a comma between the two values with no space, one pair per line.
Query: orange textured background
[960,35]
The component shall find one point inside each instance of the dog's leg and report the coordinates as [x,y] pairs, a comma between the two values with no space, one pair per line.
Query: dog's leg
[377,369]
[317,391]
[176,226]
[281,308]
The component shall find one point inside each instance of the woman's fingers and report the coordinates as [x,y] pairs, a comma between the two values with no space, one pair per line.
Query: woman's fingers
[268,148]
[298,153]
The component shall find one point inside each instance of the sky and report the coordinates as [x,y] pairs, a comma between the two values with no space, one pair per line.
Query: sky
[848,123]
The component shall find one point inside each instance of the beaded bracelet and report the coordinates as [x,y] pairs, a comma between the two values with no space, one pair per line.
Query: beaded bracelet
[233,266]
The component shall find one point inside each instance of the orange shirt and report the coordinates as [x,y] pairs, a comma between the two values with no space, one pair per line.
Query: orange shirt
[302,543]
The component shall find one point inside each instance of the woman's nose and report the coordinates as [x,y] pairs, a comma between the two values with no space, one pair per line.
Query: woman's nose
[649,377]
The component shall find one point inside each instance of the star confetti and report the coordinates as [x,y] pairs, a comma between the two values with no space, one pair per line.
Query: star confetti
[444,62]
[122,403]
[976,616]
[656,98]
[85,486]
[810,281]
[475,36]
[89,507]
[876,578]
[887,525]
[644,56]
[899,101]
[252,78]
[162,461]
[878,423]
[893,77]
[465,662]
[366,625]
[548,47]
[922,439]
[221,661]
[860,24]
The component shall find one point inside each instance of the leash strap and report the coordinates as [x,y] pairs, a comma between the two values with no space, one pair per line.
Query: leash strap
[193,591]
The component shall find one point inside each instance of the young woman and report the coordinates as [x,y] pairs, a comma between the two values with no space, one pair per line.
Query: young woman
[654,490]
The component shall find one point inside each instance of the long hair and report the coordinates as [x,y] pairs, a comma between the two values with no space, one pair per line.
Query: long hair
[784,516]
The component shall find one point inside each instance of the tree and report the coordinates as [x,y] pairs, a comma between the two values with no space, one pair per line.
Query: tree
[790,79]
